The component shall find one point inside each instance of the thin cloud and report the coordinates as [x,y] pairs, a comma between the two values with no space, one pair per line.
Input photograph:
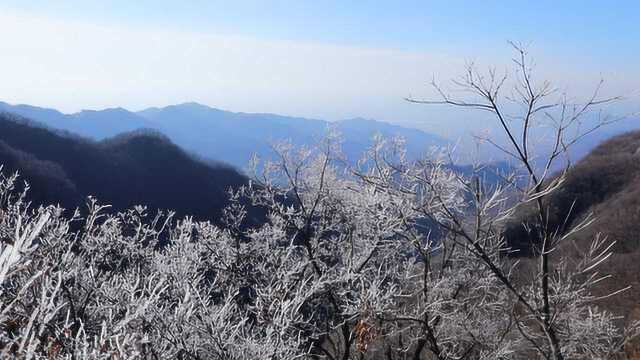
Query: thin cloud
[72,65]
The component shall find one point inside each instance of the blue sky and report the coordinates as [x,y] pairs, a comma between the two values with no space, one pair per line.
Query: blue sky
[600,26]
[574,41]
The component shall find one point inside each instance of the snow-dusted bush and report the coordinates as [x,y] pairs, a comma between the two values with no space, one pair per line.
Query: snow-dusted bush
[385,259]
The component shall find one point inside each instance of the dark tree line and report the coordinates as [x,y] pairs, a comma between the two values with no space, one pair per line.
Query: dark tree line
[143,167]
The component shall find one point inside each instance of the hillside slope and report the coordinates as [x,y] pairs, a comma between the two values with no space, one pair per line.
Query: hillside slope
[135,168]
[606,184]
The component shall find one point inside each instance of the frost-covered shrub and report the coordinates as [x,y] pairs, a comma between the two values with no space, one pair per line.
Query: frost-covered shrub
[346,266]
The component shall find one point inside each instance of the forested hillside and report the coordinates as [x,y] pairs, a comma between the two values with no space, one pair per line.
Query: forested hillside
[137,168]
[605,185]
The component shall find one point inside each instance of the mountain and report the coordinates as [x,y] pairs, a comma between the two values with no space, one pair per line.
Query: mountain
[88,123]
[141,167]
[107,123]
[226,136]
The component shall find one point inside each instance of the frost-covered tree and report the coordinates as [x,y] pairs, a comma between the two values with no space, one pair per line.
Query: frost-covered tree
[389,258]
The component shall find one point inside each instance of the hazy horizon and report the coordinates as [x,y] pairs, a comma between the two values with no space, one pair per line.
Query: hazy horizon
[331,61]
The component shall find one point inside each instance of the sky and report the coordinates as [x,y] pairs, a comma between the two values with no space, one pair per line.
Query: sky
[318,59]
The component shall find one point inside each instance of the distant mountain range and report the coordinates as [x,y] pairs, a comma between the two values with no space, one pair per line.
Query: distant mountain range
[222,135]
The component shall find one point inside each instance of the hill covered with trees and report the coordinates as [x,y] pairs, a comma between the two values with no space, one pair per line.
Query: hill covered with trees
[604,186]
[136,168]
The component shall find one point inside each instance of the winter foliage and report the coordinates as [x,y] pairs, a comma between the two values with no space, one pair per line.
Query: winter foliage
[347,266]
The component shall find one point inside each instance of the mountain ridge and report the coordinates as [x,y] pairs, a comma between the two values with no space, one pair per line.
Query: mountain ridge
[225,136]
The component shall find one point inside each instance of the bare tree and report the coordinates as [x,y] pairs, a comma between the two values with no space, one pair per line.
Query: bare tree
[536,103]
